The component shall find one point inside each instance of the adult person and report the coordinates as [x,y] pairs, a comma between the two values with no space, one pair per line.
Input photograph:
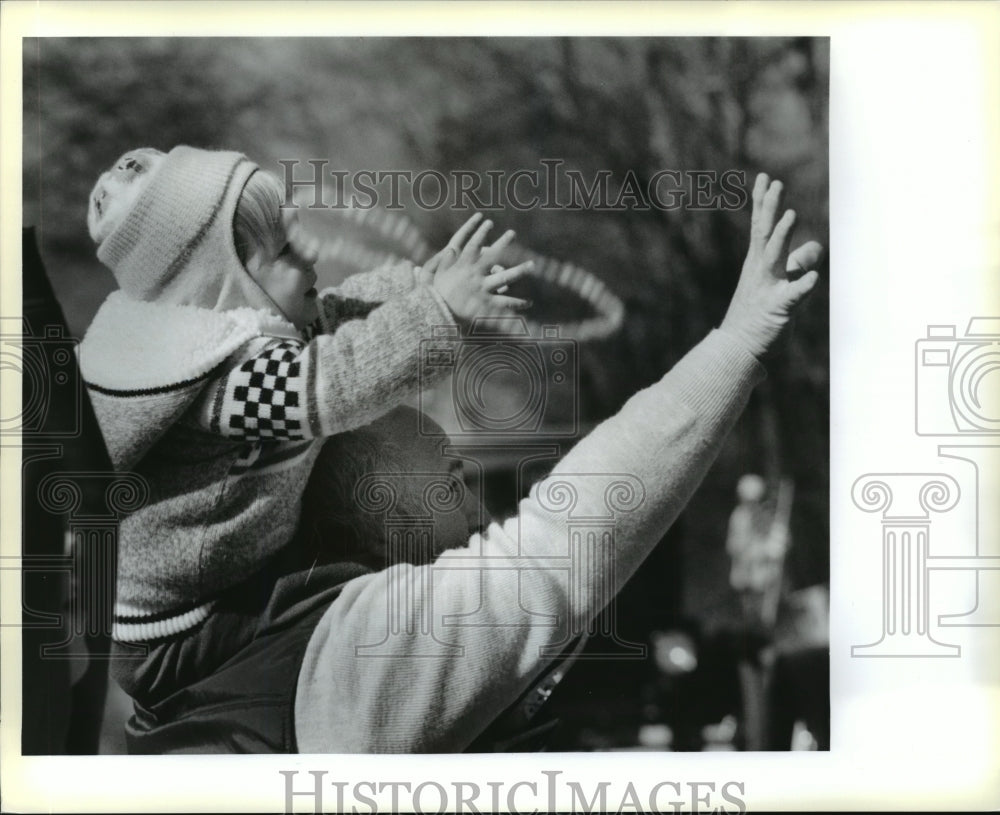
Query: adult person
[311,678]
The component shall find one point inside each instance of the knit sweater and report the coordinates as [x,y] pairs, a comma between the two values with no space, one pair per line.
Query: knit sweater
[424,694]
[222,499]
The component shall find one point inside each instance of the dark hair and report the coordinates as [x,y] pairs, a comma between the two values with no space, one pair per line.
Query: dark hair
[334,525]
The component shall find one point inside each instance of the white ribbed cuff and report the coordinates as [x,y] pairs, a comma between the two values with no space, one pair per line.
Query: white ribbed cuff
[716,376]
[141,631]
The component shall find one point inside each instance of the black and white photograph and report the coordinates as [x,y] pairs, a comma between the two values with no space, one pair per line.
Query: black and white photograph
[465,256]
[469,395]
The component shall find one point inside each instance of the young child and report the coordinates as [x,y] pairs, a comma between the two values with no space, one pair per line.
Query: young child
[217,369]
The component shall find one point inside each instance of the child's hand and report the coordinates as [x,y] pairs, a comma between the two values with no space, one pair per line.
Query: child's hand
[769,290]
[468,277]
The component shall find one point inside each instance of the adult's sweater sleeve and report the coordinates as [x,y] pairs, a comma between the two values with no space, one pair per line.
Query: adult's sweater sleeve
[416,700]
[362,366]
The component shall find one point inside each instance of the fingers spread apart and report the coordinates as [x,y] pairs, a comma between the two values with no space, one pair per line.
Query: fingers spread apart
[767,196]
[500,278]
[492,254]
[781,237]
[472,250]
[502,302]
[462,235]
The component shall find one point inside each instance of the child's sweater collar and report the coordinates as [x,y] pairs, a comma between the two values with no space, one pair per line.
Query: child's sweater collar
[138,346]
[145,363]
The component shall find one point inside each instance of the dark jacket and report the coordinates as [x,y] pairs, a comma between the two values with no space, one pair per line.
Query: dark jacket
[228,686]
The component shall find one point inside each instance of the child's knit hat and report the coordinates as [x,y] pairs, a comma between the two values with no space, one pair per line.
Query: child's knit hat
[163,223]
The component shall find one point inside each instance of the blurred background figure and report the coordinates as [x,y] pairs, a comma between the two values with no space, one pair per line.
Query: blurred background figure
[798,693]
[757,542]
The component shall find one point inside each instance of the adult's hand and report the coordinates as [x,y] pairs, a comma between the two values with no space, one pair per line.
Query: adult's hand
[770,287]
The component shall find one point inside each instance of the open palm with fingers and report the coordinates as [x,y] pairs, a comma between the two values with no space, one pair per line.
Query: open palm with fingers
[770,287]
[468,276]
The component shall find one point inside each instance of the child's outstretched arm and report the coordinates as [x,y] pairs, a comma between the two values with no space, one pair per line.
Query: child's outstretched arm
[379,284]
[357,369]
[390,280]
[292,389]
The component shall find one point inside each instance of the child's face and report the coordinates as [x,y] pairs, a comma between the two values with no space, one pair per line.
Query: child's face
[118,189]
[286,273]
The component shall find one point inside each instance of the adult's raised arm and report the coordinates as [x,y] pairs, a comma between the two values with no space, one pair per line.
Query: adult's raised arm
[664,438]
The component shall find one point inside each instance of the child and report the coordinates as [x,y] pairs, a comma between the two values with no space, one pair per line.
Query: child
[217,369]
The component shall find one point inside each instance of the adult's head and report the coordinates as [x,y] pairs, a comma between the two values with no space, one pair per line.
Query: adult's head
[387,481]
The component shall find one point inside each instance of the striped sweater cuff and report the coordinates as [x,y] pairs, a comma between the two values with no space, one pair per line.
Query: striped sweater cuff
[132,626]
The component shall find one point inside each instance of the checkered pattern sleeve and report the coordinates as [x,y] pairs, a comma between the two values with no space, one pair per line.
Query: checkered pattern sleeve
[263,397]
[293,389]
